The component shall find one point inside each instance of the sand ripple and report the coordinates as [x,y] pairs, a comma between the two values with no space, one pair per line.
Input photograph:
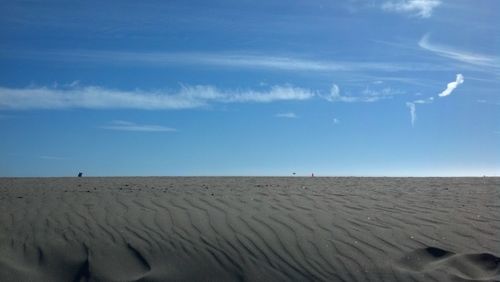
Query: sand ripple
[250,229]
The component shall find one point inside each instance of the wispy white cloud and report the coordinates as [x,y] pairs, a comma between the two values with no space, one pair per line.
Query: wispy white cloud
[421,8]
[131,126]
[483,101]
[276,93]
[413,108]
[366,96]
[413,105]
[336,120]
[424,101]
[334,94]
[228,60]
[459,55]
[75,95]
[187,97]
[378,80]
[452,85]
[286,115]
[413,112]
[372,95]
[91,97]
[94,97]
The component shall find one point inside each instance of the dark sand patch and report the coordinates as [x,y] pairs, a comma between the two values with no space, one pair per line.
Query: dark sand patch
[467,267]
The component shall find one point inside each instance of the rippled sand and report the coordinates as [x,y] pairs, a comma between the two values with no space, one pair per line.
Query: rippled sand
[252,229]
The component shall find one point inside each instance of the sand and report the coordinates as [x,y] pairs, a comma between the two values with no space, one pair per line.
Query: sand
[249,229]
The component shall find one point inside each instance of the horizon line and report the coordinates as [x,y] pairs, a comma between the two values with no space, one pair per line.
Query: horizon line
[262,176]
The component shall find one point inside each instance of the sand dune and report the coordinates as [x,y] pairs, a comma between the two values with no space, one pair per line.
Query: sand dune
[250,229]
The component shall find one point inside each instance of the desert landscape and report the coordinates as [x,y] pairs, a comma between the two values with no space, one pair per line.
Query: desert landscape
[249,229]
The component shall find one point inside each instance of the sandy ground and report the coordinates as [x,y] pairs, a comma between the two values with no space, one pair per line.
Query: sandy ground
[251,229]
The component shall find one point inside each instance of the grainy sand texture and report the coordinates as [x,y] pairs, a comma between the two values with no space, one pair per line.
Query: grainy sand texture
[249,229]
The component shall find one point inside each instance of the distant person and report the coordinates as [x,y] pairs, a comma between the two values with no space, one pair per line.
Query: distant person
[80,174]
[312,174]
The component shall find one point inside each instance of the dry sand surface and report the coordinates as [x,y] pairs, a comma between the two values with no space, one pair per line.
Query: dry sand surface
[252,229]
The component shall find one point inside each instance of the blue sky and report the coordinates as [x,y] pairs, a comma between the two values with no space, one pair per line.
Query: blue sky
[365,88]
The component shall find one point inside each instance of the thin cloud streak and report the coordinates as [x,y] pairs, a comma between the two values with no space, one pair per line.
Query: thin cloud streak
[458,55]
[367,95]
[422,8]
[286,115]
[187,97]
[121,125]
[228,60]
